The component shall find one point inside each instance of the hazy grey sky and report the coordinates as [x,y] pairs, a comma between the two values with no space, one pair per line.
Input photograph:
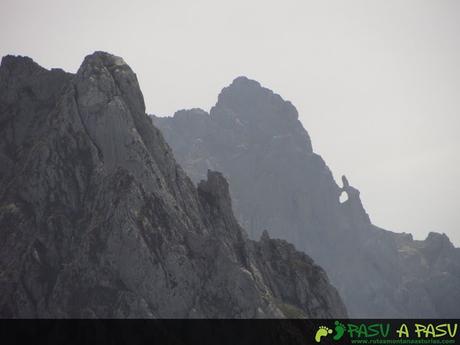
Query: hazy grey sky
[376,83]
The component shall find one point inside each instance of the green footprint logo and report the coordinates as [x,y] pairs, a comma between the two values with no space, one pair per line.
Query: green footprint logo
[322,331]
[339,331]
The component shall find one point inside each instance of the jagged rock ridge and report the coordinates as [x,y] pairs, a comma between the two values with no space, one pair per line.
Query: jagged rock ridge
[279,184]
[98,220]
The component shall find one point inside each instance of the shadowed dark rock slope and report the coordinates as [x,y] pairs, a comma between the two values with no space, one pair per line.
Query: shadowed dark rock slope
[279,184]
[98,220]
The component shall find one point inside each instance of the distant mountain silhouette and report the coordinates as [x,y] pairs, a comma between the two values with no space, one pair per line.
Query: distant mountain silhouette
[279,184]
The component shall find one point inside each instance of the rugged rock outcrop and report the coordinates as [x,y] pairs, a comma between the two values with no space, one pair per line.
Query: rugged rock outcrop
[279,184]
[98,220]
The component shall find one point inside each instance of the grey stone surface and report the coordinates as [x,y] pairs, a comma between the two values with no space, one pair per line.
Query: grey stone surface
[278,183]
[98,220]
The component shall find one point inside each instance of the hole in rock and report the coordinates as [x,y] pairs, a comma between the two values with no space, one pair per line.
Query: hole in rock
[343,197]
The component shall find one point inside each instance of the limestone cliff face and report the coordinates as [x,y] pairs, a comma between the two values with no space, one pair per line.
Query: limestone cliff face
[278,183]
[98,220]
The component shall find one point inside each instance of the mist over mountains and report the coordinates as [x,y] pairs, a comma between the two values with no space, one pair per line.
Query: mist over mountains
[280,185]
[97,220]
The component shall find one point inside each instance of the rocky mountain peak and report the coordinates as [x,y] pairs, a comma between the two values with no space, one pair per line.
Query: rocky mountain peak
[104,58]
[111,107]
[23,79]
[245,82]
[265,236]
[437,245]
[436,237]
[103,73]
[215,190]
[98,220]
[22,64]
[251,101]
[187,113]
[353,206]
